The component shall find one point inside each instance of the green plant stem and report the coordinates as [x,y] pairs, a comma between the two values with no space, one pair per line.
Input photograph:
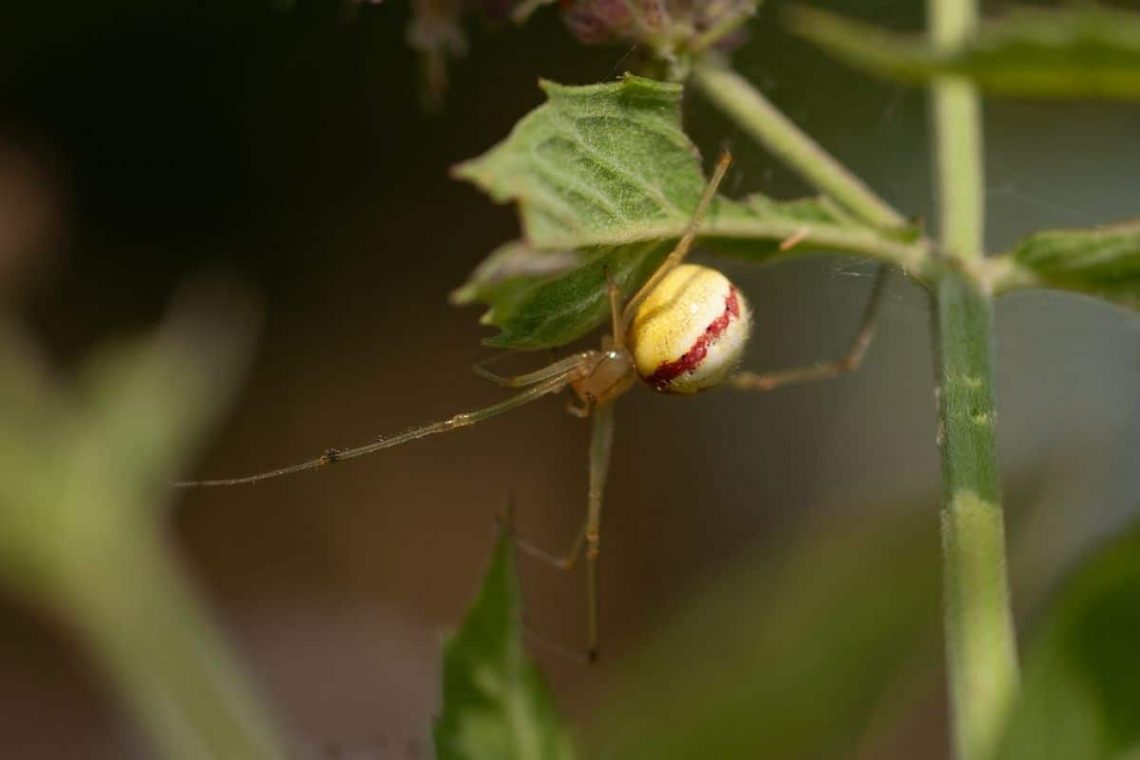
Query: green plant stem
[958,139]
[980,642]
[981,650]
[151,636]
[747,106]
[980,645]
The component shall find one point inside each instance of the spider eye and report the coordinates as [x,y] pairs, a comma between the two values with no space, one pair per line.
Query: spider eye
[690,332]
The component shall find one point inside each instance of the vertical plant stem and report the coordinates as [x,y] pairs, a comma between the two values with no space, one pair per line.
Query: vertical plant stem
[747,106]
[981,650]
[980,643]
[958,139]
[980,646]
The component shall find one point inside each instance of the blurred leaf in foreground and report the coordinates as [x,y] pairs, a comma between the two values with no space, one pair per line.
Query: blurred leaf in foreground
[606,182]
[1103,262]
[1080,695]
[495,705]
[1085,51]
[85,474]
[788,657]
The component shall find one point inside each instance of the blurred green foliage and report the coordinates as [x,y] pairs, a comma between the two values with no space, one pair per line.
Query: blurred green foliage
[791,653]
[1085,51]
[1104,262]
[85,474]
[804,652]
[1081,692]
[495,704]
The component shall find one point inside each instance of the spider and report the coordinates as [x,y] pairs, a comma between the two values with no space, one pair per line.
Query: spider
[682,332]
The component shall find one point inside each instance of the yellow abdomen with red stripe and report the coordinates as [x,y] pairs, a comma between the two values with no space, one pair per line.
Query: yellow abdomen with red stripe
[690,332]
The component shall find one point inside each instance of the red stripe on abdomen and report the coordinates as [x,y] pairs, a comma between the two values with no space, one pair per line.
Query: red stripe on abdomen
[667,372]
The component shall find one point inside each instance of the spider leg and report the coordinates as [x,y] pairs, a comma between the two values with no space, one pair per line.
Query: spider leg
[678,254]
[850,361]
[589,535]
[618,327]
[578,408]
[550,385]
[601,446]
[560,561]
[482,367]
[792,241]
[506,524]
[530,378]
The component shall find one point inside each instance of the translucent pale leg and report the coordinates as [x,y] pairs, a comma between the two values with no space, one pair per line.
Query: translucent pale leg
[614,292]
[561,561]
[601,446]
[589,535]
[549,386]
[530,378]
[850,361]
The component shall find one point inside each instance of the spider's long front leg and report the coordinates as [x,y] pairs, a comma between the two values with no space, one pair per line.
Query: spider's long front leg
[550,385]
[849,362]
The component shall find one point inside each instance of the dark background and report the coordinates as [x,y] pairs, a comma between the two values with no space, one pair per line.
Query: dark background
[145,143]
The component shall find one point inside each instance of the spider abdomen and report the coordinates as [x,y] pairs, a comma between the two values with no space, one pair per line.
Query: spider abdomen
[690,332]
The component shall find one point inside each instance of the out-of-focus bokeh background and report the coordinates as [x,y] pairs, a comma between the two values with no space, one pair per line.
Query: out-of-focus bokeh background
[142,144]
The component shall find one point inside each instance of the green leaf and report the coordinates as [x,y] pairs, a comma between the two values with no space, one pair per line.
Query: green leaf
[1085,51]
[606,181]
[495,705]
[535,310]
[595,163]
[1103,262]
[1080,695]
[792,652]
